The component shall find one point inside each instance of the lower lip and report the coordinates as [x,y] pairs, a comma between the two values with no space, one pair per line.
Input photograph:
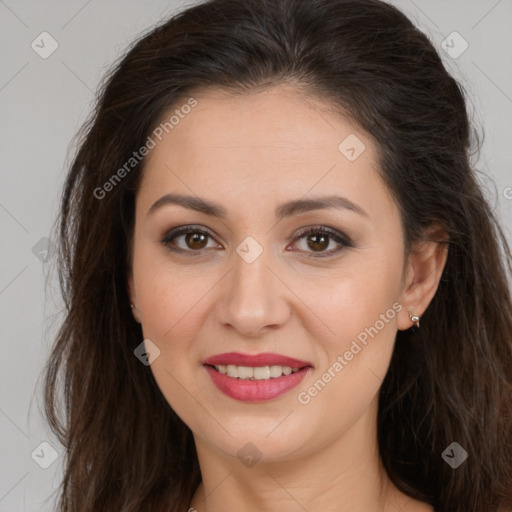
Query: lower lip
[256,390]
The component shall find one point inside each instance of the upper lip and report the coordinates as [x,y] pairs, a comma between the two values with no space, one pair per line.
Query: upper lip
[264,359]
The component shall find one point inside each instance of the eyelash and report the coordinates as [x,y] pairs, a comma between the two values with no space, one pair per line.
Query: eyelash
[339,238]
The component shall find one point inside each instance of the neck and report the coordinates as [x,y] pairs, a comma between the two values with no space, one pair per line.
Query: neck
[344,475]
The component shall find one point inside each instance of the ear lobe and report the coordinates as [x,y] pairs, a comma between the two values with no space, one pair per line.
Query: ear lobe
[133,297]
[425,265]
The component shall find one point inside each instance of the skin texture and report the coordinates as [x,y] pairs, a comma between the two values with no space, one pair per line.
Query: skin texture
[250,154]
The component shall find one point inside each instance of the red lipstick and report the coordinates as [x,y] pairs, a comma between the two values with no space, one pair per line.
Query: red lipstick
[264,359]
[249,390]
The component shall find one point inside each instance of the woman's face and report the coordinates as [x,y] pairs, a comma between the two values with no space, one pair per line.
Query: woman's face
[260,170]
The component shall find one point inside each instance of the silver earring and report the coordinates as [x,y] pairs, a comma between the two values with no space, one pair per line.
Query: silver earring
[132,306]
[415,319]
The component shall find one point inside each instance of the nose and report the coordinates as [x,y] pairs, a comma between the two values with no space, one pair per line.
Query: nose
[252,299]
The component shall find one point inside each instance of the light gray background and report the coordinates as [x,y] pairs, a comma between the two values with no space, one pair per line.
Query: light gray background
[43,103]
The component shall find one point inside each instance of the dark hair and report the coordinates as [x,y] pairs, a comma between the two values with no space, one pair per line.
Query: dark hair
[449,381]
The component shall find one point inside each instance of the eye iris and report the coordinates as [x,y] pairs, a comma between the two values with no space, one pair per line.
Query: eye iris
[323,244]
[192,239]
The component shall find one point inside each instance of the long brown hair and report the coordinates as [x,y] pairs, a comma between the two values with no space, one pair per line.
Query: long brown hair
[450,381]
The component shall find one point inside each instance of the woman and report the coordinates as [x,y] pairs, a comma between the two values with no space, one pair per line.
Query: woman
[284,287]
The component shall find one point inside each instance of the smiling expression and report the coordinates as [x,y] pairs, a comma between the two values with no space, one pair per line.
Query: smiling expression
[286,246]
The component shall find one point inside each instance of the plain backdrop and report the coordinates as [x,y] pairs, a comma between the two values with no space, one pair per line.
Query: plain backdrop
[43,102]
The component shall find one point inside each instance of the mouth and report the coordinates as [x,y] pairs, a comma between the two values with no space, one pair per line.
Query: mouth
[256,378]
[254,372]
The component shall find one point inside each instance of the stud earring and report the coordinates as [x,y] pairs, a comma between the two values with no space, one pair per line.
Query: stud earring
[415,319]
[132,306]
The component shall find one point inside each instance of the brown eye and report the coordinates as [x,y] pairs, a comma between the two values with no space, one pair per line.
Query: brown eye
[318,239]
[196,240]
[188,239]
[318,242]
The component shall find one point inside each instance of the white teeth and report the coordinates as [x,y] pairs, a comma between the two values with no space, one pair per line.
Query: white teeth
[232,370]
[262,373]
[276,371]
[246,372]
[255,373]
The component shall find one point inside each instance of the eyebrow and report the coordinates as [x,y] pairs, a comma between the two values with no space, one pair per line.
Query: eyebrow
[287,209]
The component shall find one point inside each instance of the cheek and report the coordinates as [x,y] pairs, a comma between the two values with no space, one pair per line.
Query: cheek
[361,309]
[169,295]
[356,299]
[172,302]
[356,359]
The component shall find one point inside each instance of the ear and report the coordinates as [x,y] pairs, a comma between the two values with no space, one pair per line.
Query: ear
[423,269]
[133,297]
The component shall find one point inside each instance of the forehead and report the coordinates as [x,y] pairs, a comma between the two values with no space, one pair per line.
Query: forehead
[281,120]
[279,143]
